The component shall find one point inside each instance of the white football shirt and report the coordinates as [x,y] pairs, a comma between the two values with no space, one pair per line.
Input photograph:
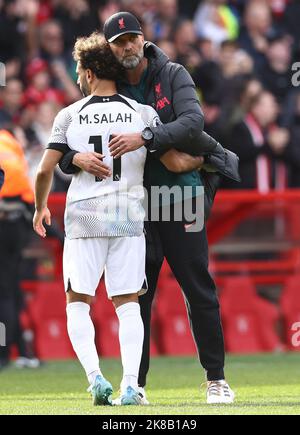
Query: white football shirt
[111,207]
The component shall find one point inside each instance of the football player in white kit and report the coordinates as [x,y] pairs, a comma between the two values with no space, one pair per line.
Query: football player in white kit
[104,214]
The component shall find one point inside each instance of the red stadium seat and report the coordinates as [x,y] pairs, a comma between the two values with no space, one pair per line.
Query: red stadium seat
[47,312]
[248,320]
[174,330]
[290,307]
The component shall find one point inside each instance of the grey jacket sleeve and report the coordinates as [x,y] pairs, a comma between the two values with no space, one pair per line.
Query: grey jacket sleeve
[189,123]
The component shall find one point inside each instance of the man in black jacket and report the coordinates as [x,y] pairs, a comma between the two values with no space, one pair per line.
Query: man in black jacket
[152,79]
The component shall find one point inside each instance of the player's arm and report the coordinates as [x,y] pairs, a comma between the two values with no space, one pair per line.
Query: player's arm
[43,183]
[175,161]
[178,162]
[56,147]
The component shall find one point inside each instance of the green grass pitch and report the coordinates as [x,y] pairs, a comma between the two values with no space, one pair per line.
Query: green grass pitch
[264,384]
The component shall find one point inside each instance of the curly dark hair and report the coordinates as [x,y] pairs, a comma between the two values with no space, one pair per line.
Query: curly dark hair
[94,53]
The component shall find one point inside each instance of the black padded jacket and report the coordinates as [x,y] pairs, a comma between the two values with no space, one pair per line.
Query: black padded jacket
[171,91]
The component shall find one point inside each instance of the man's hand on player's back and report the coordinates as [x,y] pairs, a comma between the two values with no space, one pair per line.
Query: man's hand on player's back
[93,164]
[125,143]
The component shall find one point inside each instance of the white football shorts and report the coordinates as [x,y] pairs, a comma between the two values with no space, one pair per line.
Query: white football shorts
[121,258]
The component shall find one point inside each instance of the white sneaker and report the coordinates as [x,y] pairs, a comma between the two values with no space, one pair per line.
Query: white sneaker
[117,401]
[30,363]
[142,398]
[219,392]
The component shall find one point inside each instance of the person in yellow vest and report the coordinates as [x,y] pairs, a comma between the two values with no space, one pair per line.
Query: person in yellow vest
[12,160]
[16,201]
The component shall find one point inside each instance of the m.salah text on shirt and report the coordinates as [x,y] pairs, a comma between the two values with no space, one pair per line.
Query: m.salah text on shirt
[107,118]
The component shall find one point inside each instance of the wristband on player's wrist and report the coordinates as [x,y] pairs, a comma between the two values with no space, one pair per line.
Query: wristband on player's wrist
[66,163]
[73,167]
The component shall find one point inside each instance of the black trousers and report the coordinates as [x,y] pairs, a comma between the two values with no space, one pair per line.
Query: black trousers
[13,236]
[187,255]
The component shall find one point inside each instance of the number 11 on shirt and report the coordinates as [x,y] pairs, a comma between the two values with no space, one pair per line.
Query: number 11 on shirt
[117,164]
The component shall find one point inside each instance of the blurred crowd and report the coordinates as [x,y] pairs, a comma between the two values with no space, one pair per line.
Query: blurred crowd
[240,54]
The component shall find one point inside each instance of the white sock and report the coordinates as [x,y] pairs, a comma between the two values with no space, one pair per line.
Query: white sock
[82,335]
[92,376]
[131,336]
